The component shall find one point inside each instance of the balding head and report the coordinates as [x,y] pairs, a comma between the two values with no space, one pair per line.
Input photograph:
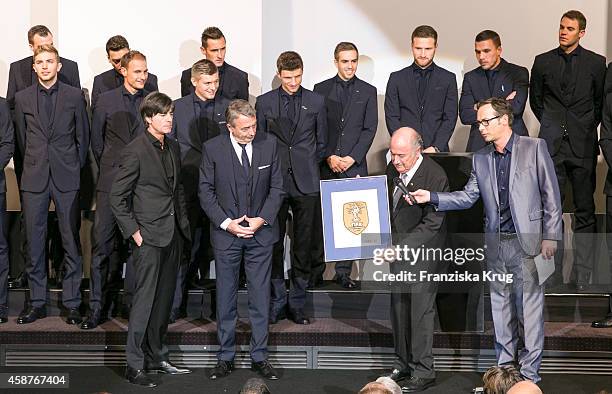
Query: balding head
[406,146]
[525,387]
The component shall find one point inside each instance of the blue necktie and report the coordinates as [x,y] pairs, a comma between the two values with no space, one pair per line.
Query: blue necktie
[245,160]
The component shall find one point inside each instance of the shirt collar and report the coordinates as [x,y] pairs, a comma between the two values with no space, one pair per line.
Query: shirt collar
[52,89]
[236,144]
[198,100]
[407,176]
[221,69]
[125,92]
[154,140]
[575,52]
[339,80]
[416,68]
[289,96]
[508,147]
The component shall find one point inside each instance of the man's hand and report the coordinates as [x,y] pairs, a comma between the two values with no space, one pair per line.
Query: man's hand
[235,228]
[430,149]
[334,163]
[255,223]
[137,238]
[511,95]
[421,196]
[346,162]
[548,248]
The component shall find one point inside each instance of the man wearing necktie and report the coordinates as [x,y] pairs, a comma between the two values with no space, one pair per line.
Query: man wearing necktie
[233,82]
[52,131]
[412,306]
[198,117]
[241,191]
[352,119]
[495,77]
[116,122]
[297,117]
[423,96]
[567,95]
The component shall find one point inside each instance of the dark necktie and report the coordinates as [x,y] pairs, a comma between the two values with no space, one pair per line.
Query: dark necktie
[48,105]
[567,72]
[345,92]
[291,108]
[246,166]
[422,83]
[203,120]
[490,76]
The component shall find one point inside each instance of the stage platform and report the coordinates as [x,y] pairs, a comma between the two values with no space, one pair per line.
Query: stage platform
[349,330]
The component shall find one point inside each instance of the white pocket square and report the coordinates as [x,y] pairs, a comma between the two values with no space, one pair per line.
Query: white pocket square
[262,167]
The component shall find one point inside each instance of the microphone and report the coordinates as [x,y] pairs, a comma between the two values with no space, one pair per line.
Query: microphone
[400,185]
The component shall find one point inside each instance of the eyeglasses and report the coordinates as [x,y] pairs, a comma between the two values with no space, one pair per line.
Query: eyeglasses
[485,122]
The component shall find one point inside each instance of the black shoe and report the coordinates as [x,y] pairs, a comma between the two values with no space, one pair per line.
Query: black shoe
[397,375]
[606,322]
[416,384]
[74,316]
[264,369]
[196,284]
[221,370]
[346,282]
[167,368]
[94,318]
[139,377]
[31,313]
[275,317]
[298,317]
[3,314]
[20,282]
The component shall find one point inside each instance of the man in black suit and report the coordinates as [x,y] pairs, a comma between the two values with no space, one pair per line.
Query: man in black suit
[116,47]
[352,119]
[412,306]
[296,116]
[22,75]
[494,78]
[241,191]
[53,135]
[116,122]
[149,204]
[233,82]
[7,145]
[423,96]
[198,117]
[566,96]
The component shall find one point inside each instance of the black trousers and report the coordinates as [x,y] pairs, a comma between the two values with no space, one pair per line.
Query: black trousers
[609,242]
[108,254]
[35,208]
[580,172]
[4,252]
[303,208]
[155,271]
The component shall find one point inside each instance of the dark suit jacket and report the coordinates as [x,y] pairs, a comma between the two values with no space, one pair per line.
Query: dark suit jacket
[111,130]
[436,121]
[301,147]
[475,88]
[142,198]
[353,136]
[59,151]
[7,140]
[22,75]
[414,225]
[106,81]
[579,115]
[217,189]
[605,139]
[234,84]
[190,139]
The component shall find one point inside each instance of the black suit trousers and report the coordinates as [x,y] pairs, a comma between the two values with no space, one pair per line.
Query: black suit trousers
[35,208]
[155,271]
[4,252]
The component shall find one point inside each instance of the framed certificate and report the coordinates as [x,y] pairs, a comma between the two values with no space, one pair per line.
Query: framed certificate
[355,217]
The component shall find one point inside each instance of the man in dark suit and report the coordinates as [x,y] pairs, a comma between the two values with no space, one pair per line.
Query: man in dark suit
[566,96]
[233,82]
[605,142]
[423,96]
[352,119]
[241,191]
[53,134]
[116,122]
[494,78]
[198,117]
[412,307]
[514,176]
[116,47]
[7,145]
[21,76]
[149,204]
[296,116]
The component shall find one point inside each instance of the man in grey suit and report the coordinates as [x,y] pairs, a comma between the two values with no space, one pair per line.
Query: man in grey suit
[515,177]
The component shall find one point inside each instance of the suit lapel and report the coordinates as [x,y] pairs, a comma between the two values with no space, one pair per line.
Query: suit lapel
[255,161]
[174,154]
[493,173]
[231,153]
[59,106]
[301,114]
[355,94]
[411,84]
[154,156]
[503,84]
[195,140]
[514,160]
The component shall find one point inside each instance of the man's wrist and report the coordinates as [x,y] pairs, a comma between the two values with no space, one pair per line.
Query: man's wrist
[225,224]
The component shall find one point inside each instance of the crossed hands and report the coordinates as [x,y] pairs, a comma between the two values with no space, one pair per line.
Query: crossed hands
[340,164]
[240,231]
